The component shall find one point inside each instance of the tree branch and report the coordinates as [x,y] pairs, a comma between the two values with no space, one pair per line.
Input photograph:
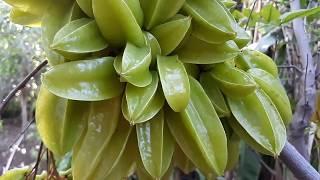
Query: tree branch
[5,101]
[297,164]
[22,133]
[13,152]
[249,18]
[306,104]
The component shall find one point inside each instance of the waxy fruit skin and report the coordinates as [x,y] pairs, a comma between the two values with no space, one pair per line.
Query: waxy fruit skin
[141,87]
[174,81]
[199,132]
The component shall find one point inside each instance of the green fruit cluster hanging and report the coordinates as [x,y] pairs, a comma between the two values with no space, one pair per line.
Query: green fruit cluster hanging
[147,85]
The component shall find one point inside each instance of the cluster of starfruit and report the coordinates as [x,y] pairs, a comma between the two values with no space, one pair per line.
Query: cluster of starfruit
[148,85]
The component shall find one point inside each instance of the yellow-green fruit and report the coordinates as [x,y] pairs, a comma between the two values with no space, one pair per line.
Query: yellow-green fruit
[212,22]
[15,174]
[156,145]
[59,121]
[232,81]
[254,59]
[199,132]
[273,88]
[120,23]
[263,125]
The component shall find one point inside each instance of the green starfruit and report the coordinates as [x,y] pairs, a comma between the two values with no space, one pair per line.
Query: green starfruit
[142,103]
[182,162]
[169,41]
[79,37]
[25,18]
[264,125]
[59,121]
[211,88]
[174,81]
[16,174]
[159,11]
[134,65]
[196,51]
[86,80]
[156,157]
[121,22]
[273,88]
[232,81]
[153,43]
[212,21]
[102,145]
[127,162]
[254,59]
[242,38]
[58,14]
[86,6]
[199,132]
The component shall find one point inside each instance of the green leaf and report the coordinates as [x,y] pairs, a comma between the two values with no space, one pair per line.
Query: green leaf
[269,39]
[229,3]
[255,17]
[289,16]
[269,13]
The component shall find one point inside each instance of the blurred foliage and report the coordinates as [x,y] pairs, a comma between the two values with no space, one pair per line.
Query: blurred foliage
[20,52]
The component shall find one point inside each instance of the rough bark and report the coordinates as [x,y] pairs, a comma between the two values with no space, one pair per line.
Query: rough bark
[306,104]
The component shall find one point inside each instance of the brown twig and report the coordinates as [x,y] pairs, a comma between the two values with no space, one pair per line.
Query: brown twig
[53,172]
[254,4]
[36,166]
[5,101]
